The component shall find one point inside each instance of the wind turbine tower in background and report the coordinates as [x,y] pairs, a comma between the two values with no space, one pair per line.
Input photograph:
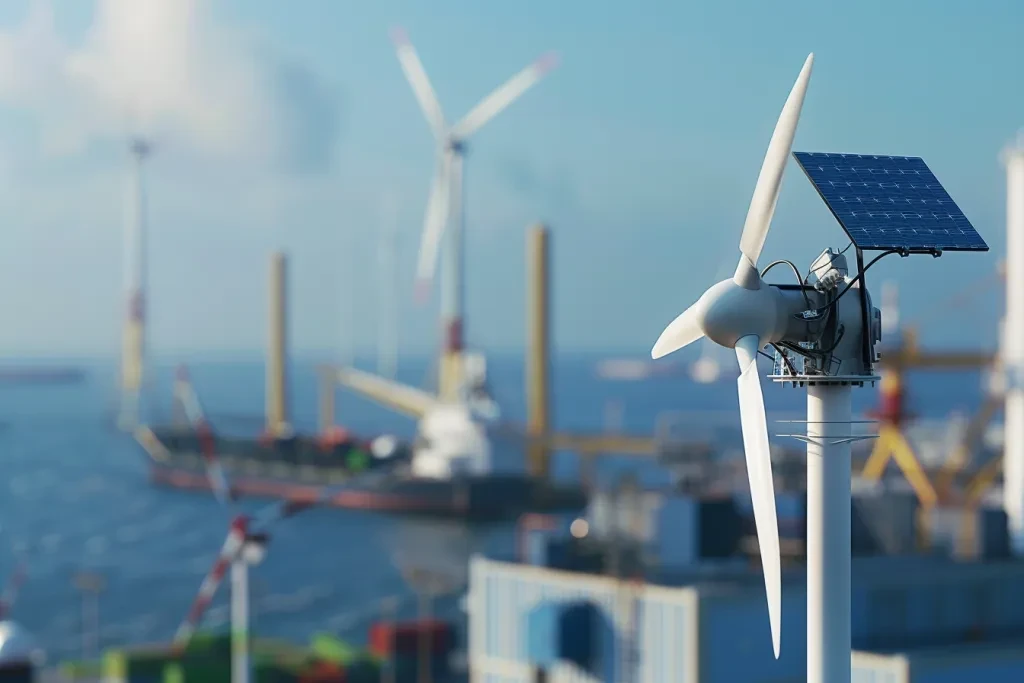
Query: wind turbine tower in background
[1012,348]
[387,307]
[134,334]
[446,193]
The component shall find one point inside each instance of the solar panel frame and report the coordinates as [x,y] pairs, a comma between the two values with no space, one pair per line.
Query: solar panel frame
[888,203]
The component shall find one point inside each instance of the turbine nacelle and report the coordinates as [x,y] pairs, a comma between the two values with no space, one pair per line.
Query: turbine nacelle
[456,145]
[728,312]
[732,309]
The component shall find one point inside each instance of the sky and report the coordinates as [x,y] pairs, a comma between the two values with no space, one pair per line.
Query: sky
[290,126]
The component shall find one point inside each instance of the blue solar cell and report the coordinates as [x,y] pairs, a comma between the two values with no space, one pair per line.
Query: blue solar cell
[890,202]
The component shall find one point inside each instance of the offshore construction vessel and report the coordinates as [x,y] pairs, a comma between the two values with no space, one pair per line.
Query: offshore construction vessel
[446,470]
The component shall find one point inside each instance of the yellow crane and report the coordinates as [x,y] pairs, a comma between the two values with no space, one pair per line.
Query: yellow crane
[892,415]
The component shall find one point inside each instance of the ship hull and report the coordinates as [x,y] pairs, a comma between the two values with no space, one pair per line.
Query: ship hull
[478,498]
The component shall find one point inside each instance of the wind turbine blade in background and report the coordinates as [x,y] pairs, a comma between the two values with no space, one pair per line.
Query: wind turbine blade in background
[433,225]
[417,77]
[185,392]
[769,181]
[504,95]
[759,472]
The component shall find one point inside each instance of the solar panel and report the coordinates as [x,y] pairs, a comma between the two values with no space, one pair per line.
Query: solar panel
[890,203]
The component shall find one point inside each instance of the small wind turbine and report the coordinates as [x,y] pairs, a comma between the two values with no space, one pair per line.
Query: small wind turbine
[446,192]
[823,340]
[245,543]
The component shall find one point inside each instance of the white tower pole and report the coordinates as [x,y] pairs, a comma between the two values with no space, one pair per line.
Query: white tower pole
[1013,348]
[452,290]
[829,412]
[134,333]
[240,621]
[387,308]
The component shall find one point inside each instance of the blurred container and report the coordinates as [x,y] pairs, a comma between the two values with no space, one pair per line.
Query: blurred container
[407,667]
[692,529]
[916,601]
[537,543]
[192,670]
[387,638]
[885,522]
[135,666]
[975,534]
[207,642]
[18,672]
[574,632]
[363,670]
[991,663]
[571,554]
[503,595]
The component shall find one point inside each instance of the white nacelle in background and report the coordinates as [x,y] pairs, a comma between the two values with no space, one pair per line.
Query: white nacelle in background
[449,442]
[475,386]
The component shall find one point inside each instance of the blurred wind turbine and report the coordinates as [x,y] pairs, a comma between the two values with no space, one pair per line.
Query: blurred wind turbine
[446,192]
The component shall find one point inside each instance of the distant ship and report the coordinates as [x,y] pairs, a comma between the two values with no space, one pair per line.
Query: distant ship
[41,375]
[445,471]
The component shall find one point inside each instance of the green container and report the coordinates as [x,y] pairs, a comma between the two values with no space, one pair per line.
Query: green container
[141,666]
[198,669]
[357,460]
[334,650]
[219,671]
[87,669]
[207,643]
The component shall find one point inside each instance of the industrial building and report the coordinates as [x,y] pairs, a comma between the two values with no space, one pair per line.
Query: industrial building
[698,615]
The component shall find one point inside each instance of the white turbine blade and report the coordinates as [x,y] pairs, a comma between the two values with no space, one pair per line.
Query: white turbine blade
[417,77]
[493,104]
[682,331]
[434,224]
[759,472]
[769,181]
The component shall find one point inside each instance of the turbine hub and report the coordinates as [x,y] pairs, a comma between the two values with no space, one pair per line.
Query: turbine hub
[729,312]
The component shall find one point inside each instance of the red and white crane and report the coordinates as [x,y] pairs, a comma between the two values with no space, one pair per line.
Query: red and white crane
[245,543]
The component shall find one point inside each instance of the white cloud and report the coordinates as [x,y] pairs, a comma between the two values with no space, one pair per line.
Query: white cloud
[169,69]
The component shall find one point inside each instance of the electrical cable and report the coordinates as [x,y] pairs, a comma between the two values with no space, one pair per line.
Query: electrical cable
[796,272]
[785,359]
[870,263]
